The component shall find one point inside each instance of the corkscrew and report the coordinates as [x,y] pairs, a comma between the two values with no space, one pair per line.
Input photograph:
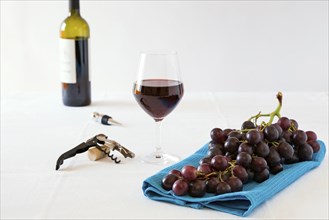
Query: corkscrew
[110,146]
[97,147]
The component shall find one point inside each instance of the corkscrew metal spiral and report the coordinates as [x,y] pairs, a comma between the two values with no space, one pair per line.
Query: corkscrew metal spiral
[108,153]
[115,159]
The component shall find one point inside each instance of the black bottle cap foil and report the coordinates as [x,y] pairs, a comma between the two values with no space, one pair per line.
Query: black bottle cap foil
[74,4]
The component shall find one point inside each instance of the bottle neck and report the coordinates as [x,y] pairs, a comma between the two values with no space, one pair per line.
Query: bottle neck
[74,12]
[74,7]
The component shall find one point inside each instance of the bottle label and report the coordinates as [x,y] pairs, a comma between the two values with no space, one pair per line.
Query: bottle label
[68,72]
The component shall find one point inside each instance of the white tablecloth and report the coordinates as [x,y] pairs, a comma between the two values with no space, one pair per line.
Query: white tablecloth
[36,129]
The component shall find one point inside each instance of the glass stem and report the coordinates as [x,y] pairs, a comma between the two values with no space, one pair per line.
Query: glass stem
[158,150]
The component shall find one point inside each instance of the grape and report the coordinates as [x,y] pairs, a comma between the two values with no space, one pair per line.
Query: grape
[299,137]
[250,175]
[211,184]
[273,157]
[261,135]
[235,134]
[222,188]
[285,150]
[253,137]
[204,168]
[197,188]
[287,136]
[189,172]
[280,130]
[311,136]
[245,147]
[168,181]
[217,135]
[180,187]
[205,160]
[235,184]
[176,172]
[294,159]
[284,123]
[276,169]
[243,137]
[247,125]
[305,152]
[262,176]
[213,145]
[214,151]
[271,133]
[241,173]
[244,159]
[219,162]
[315,145]
[230,156]
[262,149]
[226,132]
[258,164]
[231,144]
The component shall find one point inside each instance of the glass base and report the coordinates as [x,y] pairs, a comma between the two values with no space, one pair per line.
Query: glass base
[160,158]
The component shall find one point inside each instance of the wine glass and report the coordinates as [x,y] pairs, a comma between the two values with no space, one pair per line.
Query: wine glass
[158,89]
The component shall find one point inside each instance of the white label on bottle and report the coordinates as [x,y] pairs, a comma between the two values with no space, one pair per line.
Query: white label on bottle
[67,61]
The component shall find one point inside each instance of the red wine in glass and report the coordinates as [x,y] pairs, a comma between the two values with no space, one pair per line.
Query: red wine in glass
[158,97]
[158,90]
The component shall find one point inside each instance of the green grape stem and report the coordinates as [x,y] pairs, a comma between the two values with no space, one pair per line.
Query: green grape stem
[276,112]
[220,176]
[275,143]
[292,127]
[211,174]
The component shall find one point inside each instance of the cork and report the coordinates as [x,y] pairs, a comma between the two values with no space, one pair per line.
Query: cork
[95,154]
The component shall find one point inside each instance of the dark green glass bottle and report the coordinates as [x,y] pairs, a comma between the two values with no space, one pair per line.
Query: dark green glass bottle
[74,58]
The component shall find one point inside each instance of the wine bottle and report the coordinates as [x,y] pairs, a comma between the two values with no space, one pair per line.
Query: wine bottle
[74,58]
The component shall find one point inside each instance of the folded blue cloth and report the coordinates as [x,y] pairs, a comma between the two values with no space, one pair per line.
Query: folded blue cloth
[238,203]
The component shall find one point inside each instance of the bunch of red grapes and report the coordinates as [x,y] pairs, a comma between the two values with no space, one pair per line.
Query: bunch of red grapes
[236,157]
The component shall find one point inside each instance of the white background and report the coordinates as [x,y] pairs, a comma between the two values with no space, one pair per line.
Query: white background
[222,45]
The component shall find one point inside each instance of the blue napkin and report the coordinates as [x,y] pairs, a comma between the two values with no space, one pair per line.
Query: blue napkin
[238,203]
